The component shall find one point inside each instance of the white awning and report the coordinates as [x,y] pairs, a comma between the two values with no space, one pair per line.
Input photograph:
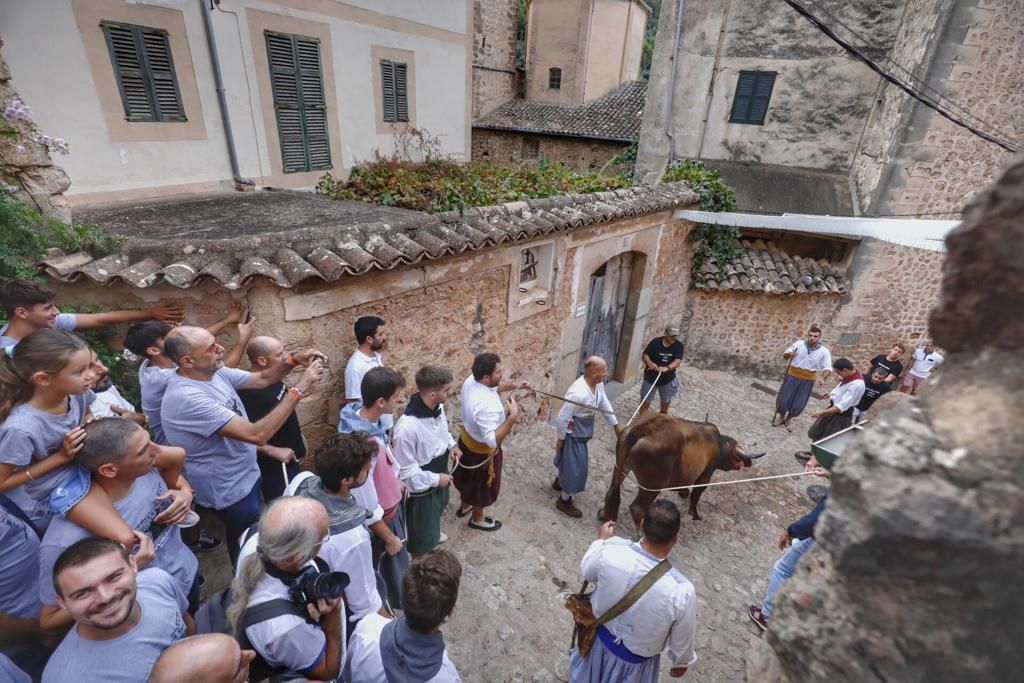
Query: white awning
[922,234]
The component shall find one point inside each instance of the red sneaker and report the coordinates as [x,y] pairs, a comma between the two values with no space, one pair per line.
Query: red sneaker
[756,616]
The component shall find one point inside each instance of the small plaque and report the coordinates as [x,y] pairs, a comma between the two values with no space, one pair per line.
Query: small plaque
[581,310]
[849,339]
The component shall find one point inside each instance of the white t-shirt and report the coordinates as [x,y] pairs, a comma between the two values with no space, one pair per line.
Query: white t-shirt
[817,360]
[105,399]
[358,365]
[482,411]
[924,363]
[363,663]
[845,396]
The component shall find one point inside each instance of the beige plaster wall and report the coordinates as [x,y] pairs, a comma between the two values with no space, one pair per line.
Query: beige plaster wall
[67,83]
[615,46]
[556,37]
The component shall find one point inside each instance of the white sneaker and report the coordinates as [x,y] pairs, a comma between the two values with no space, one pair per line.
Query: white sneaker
[190,520]
[444,538]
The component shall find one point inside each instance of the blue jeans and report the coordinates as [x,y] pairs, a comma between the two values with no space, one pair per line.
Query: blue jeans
[238,517]
[784,568]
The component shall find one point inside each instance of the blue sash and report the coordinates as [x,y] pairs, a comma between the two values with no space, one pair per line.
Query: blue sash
[617,648]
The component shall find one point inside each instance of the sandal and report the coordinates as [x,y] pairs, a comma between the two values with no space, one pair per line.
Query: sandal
[489,524]
[803,456]
[460,513]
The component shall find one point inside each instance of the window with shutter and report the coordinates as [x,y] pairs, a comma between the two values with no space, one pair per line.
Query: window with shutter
[144,68]
[753,92]
[395,86]
[296,79]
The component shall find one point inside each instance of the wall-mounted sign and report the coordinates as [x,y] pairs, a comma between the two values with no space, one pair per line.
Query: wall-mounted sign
[581,310]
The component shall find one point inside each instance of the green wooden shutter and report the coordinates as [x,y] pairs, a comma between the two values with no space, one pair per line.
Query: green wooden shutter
[144,69]
[401,93]
[387,79]
[296,78]
[753,93]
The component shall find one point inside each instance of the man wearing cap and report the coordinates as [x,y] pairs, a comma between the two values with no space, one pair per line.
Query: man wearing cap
[662,355]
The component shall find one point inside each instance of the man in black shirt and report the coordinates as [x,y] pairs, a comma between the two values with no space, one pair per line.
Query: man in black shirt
[663,354]
[874,386]
[890,364]
[287,445]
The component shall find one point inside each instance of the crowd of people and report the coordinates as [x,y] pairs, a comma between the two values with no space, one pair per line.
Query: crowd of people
[337,551]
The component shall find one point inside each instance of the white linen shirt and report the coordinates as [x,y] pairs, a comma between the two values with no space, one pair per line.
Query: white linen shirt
[358,365]
[363,662]
[482,411]
[817,360]
[924,363]
[415,442]
[580,391]
[845,396]
[664,617]
[101,407]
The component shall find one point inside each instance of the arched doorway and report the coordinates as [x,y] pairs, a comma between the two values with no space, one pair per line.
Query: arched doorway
[614,288]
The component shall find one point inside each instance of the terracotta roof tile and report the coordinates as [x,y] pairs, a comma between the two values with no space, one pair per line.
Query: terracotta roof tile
[763,268]
[330,251]
[616,116]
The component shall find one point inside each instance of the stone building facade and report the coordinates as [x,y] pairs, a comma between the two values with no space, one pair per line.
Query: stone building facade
[495,33]
[515,279]
[509,148]
[818,107]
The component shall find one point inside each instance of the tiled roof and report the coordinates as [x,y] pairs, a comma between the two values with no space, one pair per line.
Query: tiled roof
[763,268]
[616,116]
[327,253]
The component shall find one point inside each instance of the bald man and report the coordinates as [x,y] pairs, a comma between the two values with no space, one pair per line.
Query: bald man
[210,658]
[575,425]
[287,446]
[202,413]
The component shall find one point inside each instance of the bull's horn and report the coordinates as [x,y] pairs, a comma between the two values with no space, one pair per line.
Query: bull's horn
[753,456]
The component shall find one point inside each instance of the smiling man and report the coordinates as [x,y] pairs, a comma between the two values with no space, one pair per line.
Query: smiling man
[124,619]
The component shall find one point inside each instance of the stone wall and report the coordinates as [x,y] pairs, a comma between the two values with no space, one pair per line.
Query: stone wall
[894,289]
[25,165]
[446,311]
[913,161]
[506,148]
[494,54]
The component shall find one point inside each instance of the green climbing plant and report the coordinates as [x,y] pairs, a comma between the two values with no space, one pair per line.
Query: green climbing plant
[713,241]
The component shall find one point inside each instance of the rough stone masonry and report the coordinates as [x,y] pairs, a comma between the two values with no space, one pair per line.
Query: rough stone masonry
[919,558]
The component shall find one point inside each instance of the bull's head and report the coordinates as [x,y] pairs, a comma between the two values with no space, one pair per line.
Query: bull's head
[731,457]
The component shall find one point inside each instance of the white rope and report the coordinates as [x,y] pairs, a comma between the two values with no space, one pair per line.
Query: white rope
[719,483]
[284,473]
[643,401]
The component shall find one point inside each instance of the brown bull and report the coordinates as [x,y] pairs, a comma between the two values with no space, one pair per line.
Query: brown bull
[664,451]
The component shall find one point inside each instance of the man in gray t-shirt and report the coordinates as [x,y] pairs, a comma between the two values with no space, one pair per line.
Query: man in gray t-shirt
[120,455]
[202,413]
[19,587]
[124,619]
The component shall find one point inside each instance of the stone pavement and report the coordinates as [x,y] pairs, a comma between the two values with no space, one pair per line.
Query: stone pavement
[510,623]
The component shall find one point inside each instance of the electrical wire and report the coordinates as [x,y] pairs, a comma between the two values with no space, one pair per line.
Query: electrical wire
[939,108]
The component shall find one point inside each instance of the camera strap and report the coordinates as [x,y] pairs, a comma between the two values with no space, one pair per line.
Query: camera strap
[259,669]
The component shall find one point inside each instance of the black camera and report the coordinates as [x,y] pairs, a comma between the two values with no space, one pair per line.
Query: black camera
[312,584]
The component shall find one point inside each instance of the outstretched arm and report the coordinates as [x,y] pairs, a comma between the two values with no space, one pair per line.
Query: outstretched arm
[165,311]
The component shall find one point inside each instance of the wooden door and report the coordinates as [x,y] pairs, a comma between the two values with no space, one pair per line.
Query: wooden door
[606,309]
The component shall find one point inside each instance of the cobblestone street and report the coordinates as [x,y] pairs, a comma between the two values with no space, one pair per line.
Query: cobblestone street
[510,623]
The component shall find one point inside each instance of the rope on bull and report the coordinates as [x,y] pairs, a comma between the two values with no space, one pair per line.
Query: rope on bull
[719,483]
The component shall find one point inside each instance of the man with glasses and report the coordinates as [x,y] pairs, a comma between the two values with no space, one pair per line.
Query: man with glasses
[202,412]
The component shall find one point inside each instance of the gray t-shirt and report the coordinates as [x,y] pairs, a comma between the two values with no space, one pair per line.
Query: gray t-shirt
[129,658]
[65,322]
[137,509]
[19,568]
[29,435]
[11,673]
[288,640]
[221,470]
[152,384]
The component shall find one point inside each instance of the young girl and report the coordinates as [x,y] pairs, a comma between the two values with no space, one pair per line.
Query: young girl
[45,392]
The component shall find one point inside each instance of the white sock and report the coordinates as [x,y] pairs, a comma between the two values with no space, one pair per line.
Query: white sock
[566,496]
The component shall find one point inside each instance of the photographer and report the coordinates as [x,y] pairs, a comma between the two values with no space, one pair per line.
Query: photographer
[274,610]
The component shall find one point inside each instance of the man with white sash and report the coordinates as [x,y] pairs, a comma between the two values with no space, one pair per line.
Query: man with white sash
[575,426]
[807,357]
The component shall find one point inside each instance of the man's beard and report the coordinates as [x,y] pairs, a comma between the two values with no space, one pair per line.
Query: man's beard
[378,346]
[102,384]
[112,622]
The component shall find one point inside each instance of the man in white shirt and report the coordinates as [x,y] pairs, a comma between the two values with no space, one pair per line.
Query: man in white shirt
[484,427]
[845,397]
[575,426]
[342,462]
[370,341]
[807,357]
[628,647]
[411,647]
[422,446]
[925,360]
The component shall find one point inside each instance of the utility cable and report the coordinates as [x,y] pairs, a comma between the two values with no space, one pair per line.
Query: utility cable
[941,109]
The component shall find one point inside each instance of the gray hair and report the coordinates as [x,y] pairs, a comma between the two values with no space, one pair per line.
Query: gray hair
[286,538]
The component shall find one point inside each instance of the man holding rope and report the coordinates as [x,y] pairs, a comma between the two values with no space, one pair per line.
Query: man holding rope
[806,358]
[422,446]
[575,426]
[661,358]
[484,427]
